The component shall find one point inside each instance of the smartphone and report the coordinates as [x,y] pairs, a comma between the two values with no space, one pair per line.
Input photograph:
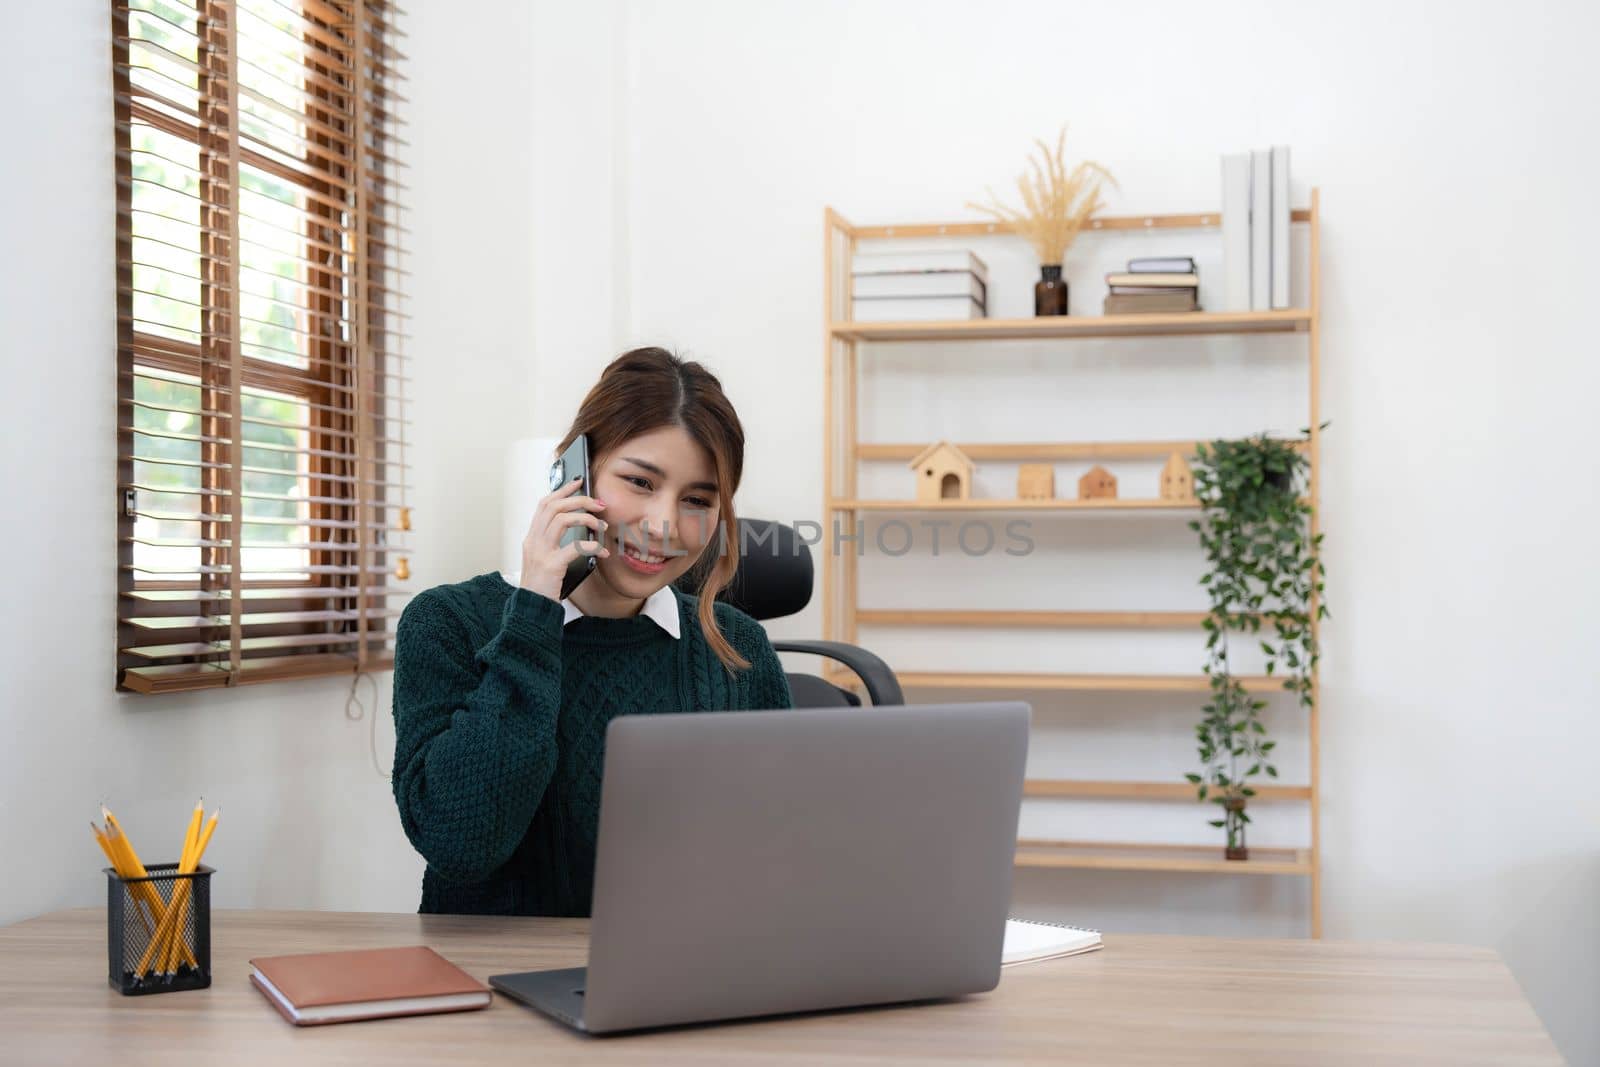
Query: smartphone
[575,462]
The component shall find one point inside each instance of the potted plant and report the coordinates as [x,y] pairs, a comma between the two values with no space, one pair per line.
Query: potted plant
[1264,567]
[1056,204]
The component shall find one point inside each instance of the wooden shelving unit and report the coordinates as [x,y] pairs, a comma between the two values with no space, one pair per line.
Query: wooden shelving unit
[845,343]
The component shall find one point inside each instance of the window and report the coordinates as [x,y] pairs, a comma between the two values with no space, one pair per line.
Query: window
[260,343]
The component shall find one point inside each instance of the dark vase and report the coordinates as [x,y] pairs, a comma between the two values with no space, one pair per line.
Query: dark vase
[1050,292]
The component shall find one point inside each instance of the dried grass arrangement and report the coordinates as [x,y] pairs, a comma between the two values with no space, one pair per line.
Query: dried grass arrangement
[1056,202]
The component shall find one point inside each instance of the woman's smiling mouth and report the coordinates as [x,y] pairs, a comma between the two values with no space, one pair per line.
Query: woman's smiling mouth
[643,562]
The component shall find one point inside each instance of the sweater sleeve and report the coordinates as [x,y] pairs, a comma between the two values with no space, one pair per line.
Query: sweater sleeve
[475,730]
[767,685]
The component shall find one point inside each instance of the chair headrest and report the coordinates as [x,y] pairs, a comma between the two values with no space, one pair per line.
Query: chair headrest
[775,575]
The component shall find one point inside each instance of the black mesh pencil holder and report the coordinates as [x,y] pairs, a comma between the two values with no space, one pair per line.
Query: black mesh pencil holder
[158,930]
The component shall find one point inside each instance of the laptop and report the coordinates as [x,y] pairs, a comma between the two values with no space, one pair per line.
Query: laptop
[769,862]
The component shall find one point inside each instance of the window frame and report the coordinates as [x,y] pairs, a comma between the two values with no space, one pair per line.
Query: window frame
[344,308]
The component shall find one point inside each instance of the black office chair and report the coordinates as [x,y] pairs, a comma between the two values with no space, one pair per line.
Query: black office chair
[774,579]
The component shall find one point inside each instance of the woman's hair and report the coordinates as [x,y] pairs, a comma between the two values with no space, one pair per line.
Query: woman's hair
[650,388]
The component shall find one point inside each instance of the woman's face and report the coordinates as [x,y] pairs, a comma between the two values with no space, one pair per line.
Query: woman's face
[661,502]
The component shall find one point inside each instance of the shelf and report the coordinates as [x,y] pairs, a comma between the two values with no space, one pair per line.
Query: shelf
[1178,791]
[1292,320]
[1106,683]
[1060,451]
[1129,683]
[1193,220]
[1153,620]
[1192,859]
[1097,504]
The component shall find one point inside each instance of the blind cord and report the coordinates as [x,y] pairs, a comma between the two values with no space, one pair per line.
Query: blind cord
[353,701]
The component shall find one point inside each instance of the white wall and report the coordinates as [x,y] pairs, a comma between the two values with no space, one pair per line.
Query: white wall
[628,173]
[578,119]
[308,822]
[1450,145]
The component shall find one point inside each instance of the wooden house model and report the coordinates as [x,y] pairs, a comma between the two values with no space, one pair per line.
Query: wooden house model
[1036,481]
[1099,483]
[943,472]
[1177,480]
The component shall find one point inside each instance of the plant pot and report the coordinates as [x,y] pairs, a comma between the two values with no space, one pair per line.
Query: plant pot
[1050,292]
[1235,848]
[1282,481]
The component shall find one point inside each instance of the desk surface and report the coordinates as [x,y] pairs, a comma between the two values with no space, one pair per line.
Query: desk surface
[1139,1000]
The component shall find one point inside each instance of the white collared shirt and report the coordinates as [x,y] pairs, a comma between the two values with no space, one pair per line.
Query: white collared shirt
[660,606]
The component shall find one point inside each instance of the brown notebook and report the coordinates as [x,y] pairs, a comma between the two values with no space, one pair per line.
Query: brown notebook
[336,987]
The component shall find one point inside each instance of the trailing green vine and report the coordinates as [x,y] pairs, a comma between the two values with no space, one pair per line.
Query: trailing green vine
[1265,575]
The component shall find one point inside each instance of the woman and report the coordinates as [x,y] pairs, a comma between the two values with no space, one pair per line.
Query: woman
[502,694]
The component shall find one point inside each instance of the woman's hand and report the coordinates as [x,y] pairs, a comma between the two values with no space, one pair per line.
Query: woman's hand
[544,558]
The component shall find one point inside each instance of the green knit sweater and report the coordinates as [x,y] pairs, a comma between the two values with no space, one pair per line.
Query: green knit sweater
[500,717]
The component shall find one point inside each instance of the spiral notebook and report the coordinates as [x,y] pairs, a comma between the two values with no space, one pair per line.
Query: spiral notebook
[1031,940]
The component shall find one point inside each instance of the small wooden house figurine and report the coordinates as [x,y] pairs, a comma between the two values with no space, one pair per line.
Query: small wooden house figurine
[943,473]
[1036,481]
[1177,481]
[1099,483]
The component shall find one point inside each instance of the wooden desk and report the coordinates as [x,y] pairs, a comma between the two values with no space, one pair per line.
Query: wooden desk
[1149,1000]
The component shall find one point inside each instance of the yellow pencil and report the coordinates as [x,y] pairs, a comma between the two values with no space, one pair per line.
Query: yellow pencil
[180,894]
[170,931]
[112,825]
[143,894]
[100,839]
[190,864]
[141,908]
[205,839]
[105,846]
[193,832]
[168,963]
[130,867]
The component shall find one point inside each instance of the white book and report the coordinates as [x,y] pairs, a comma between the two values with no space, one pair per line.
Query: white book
[1028,940]
[1236,231]
[1260,230]
[1280,226]
[927,283]
[917,309]
[935,259]
[1161,265]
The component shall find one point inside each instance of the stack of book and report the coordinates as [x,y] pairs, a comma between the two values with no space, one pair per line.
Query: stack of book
[1164,284]
[918,286]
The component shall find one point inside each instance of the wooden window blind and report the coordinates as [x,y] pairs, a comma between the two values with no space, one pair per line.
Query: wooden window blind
[261,401]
